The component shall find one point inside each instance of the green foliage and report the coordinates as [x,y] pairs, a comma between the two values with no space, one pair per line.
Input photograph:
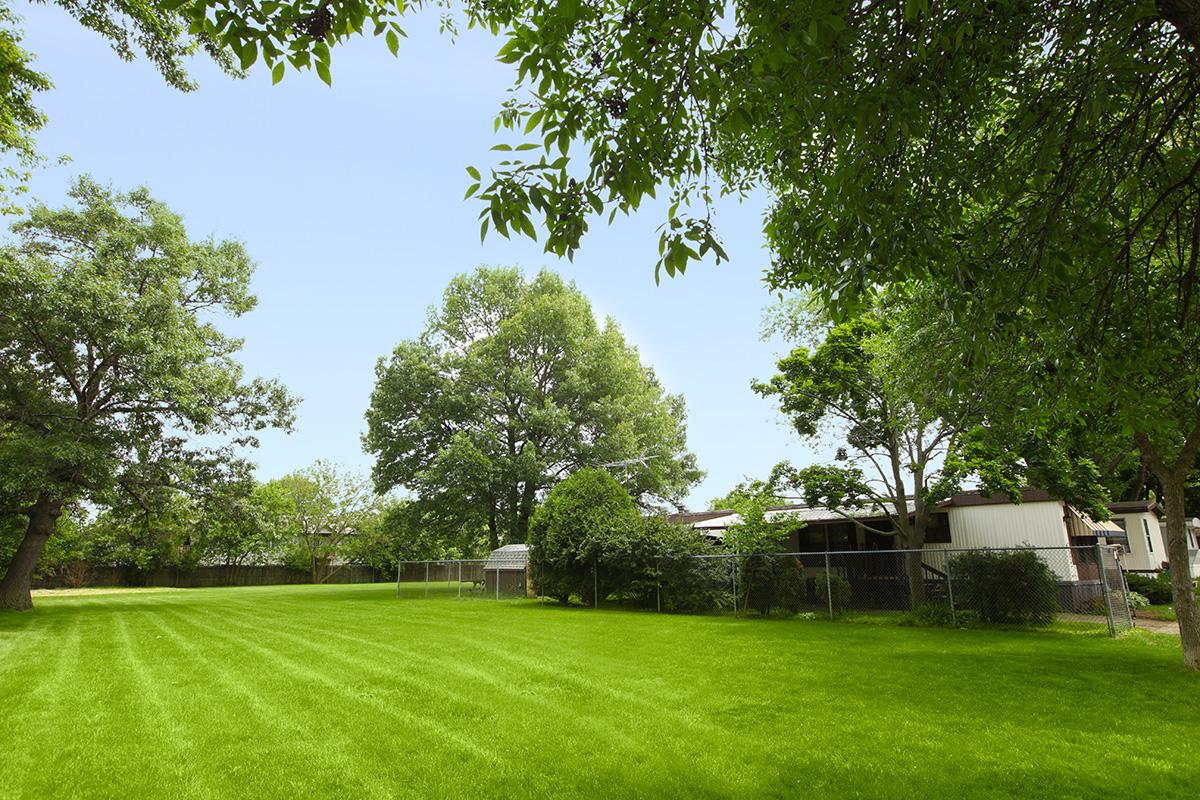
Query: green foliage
[1014,587]
[847,385]
[151,27]
[747,492]
[758,583]
[790,585]
[589,537]
[1138,601]
[756,531]
[511,385]
[321,509]
[688,584]
[110,368]
[835,586]
[935,615]
[1156,588]
[769,583]
[586,517]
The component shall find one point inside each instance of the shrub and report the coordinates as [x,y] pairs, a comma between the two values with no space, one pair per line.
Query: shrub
[586,516]
[685,583]
[830,584]
[789,585]
[935,615]
[1137,600]
[1006,587]
[1155,588]
[757,584]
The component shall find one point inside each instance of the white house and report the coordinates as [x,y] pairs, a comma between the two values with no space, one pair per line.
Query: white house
[1142,522]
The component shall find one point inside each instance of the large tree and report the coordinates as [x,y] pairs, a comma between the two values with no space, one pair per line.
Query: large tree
[319,511]
[895,446]
[512,386]
[111,364]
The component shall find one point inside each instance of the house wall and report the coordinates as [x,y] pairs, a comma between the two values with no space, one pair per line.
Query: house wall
[1033,524]
[1141,556]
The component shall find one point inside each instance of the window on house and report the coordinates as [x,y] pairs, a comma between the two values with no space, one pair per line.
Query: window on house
[1149,541]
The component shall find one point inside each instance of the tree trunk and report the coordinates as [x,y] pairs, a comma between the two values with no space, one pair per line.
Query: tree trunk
[524,513]
[1183,591]
[14,589]
[493,530]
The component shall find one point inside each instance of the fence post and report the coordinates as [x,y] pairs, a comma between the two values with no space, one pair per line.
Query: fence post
[595,586]
[735,560]
[497,582]
[427,579]
[1112,622]
[460,580]
[828,587]
[950,589]
[658,585]
[399,566]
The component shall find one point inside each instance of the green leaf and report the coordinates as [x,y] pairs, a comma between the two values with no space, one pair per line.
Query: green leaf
[249,55]
[393,42]
[277,73]
[323,72]
[474,173]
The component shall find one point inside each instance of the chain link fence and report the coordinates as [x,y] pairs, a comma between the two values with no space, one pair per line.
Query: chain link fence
[996,586]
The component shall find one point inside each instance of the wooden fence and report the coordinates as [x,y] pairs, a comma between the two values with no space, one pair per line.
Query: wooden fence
[204,576]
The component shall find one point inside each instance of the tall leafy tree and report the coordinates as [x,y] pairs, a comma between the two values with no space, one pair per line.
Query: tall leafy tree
[111,364]
[321,509]
[511,387]
[894,447]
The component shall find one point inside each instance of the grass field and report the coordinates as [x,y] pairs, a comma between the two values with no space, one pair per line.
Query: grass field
[348,692]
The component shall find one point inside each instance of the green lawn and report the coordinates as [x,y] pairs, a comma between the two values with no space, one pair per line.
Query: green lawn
[348,692]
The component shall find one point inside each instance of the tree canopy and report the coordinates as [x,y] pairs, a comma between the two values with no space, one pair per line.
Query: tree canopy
[111,365]
[512,386]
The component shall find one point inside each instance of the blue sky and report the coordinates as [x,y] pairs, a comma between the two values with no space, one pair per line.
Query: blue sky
[350,200]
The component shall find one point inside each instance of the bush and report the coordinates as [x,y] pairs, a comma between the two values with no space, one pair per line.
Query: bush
[585,517]
[831,584]
[789,585]
[935,615]
[1006,587]
[683,583]
[1137,600]
[1155,588]
[758,588]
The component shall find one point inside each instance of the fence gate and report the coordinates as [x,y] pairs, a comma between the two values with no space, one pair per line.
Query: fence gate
[1116,593]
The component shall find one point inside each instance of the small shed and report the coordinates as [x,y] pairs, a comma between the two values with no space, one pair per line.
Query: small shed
[507,567]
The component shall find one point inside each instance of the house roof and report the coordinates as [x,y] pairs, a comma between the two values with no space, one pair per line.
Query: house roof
[510,556]
[692,517]
[719,520]
[1136,507]
[977,498]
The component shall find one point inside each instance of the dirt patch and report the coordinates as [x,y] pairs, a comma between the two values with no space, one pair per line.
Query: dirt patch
[103,590]
[1157,625]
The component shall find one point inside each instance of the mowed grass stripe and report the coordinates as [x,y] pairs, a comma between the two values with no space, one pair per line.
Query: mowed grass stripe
[520,682]
[489,727]
[276,649]
[258,718]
